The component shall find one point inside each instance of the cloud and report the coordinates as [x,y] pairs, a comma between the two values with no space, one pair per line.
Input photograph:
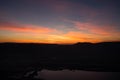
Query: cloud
[57,6]
[72,37]
[84,32]
[103,13]
[25,28]
[82,37]
[100,30]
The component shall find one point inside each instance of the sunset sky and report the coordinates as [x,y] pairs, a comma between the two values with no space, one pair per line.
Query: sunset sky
[59,21]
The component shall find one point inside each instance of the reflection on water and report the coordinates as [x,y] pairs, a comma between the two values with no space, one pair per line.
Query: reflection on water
[77,75]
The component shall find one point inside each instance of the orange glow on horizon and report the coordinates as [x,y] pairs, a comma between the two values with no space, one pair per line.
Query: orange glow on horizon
[39,34]
[54,40]
[51,39]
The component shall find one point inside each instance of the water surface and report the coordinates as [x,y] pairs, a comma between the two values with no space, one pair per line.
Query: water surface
[77,75]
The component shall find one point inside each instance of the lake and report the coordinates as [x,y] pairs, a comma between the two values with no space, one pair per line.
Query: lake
[76,75]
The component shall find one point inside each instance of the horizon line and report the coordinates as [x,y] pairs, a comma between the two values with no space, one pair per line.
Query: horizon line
[59,43]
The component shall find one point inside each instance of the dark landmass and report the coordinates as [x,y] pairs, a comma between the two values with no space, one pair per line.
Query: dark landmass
[19,58]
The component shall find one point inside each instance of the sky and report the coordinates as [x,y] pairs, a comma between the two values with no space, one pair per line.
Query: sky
[59,21]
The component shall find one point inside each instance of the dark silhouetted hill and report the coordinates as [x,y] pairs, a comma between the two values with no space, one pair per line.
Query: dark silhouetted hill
[99,56]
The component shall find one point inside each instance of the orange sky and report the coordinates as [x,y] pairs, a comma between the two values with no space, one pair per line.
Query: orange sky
[86,32]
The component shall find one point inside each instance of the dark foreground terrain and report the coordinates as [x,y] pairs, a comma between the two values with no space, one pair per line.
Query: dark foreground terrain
[20,58]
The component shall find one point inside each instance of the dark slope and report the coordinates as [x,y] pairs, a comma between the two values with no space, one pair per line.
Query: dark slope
[99,57]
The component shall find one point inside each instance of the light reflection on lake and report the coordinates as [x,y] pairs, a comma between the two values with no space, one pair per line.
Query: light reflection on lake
[77,75]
